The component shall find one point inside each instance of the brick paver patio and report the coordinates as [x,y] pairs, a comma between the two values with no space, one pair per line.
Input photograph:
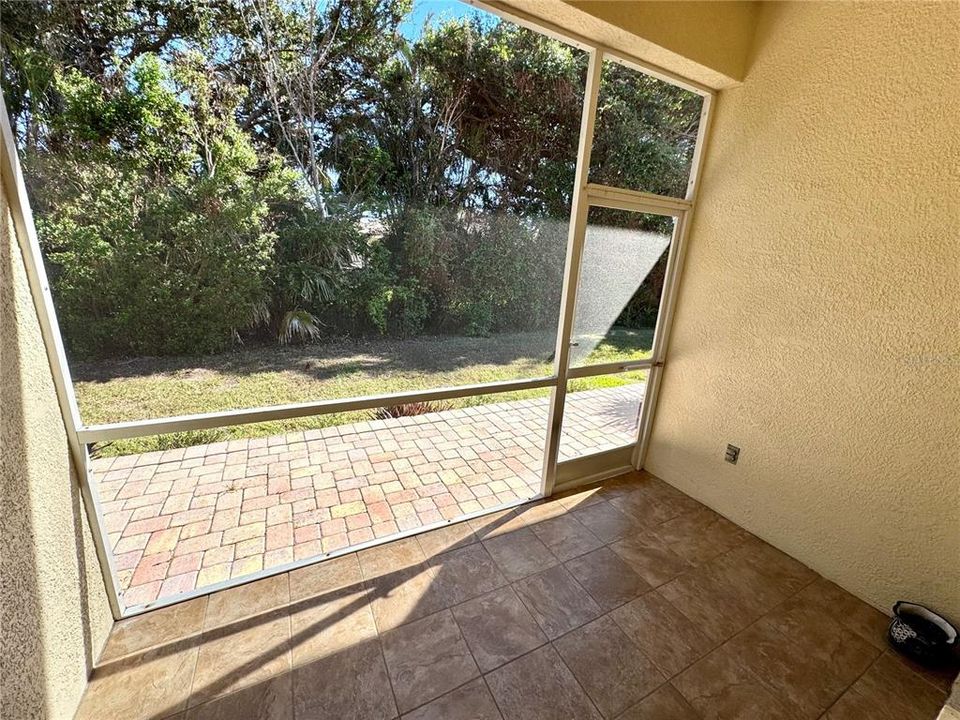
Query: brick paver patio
[188,518]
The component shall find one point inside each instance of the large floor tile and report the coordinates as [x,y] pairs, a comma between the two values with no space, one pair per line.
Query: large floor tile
[540,511]
[556,601]
[606,522]
[854,614]
[580,497]
[244,601]
[609,666]
[390,558]
[349,685]
[808,682]
[719,688]
[652,501]
[888,690]
[607,577]
[623,484]
[663,704]
[465,573]
[426,659]
[330,622]
[840,654]
[538,686]
[157,627]
[244,653]
[650,558]
[662,632]
[498,628]
[404,595]
[701,535]
[449,537]
[781,572]
[154,684]
[269,700]
[472,701]
[519,553]
[498,523]
[324,577]
[566,537]
[717,610]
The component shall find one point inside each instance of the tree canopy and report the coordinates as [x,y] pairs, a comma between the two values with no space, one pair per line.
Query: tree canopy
[204,172]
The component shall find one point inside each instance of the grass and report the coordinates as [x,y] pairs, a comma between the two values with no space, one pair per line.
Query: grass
[146,388]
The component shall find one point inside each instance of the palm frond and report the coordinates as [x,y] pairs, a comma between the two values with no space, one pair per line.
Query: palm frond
[298,325]
[409,410]
[260,314]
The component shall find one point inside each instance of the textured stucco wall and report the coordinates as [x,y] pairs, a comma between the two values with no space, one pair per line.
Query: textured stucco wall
[716,35]
[54,615]
[818,325]
[708,42]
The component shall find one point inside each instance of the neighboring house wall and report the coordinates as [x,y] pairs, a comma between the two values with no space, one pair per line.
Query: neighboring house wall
[818,325]
[54,615]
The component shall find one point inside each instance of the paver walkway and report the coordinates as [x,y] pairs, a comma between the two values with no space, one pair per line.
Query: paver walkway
[187,518]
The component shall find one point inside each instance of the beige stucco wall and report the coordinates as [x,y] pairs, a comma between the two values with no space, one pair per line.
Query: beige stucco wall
[708,42]
[54,615]
[715,35]
[818,325]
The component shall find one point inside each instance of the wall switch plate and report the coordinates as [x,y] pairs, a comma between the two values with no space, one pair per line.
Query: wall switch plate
[733,452]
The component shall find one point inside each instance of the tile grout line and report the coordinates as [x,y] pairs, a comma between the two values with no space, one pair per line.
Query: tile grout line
[850,686]
[776,692]
[290,603]
[196,662]
[483,678]
[386,670]
[574,675]
[483,675]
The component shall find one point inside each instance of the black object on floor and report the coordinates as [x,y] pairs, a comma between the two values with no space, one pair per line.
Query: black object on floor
[919,633]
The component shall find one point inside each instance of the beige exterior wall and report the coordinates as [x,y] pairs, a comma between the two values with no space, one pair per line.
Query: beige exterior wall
[715,35]
[55,615]
[708,42]
[818,325]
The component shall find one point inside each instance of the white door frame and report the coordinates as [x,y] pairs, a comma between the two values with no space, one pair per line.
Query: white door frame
[609,463]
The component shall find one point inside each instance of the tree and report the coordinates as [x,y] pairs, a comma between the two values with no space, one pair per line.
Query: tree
[312,61]
[646,131]
[402,149]
[203,172]
[38,39]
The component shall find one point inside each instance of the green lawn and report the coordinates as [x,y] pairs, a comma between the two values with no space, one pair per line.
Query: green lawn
[156,387]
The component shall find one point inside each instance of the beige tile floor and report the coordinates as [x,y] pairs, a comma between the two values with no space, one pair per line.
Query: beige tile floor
[624,600]
[192,517]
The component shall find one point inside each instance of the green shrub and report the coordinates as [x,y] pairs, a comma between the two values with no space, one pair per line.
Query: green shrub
[399,310]
[450,270]
[315,255]
[147,269]
[155,216]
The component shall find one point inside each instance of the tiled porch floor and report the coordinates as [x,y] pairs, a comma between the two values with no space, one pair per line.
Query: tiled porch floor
[192,517]
[629,600]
